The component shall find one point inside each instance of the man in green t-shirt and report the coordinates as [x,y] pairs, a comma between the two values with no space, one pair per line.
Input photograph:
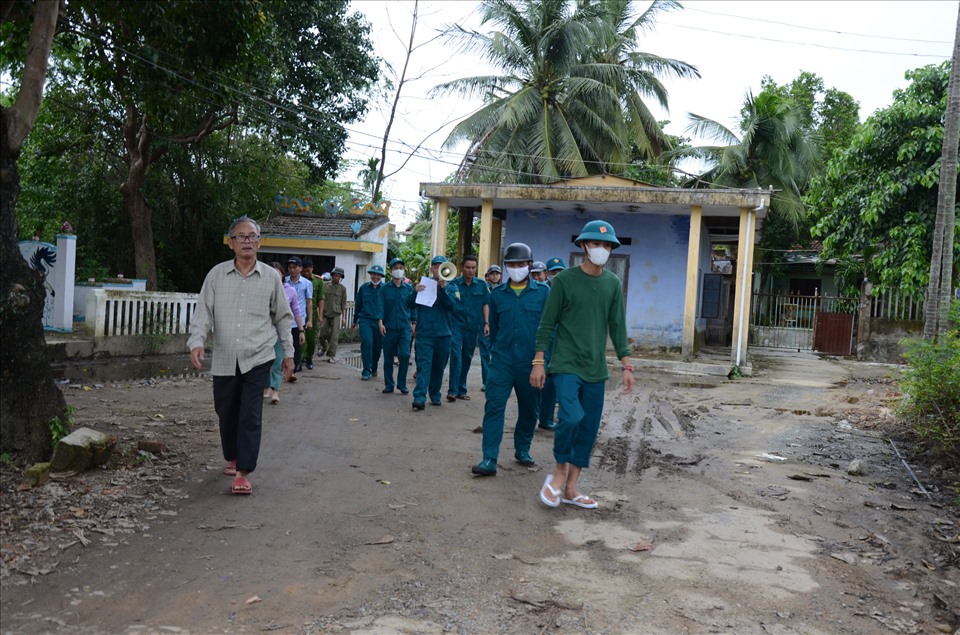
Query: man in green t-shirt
[585,305]
[317,316]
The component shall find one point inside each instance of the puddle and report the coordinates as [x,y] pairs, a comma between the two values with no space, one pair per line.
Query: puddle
[117,369]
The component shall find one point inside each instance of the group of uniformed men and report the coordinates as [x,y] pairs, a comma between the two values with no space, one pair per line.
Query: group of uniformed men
[542,335]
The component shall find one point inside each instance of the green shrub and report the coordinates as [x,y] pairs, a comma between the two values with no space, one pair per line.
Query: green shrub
[349,336]
[931,386]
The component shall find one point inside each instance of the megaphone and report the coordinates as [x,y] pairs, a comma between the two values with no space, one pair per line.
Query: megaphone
[447,271]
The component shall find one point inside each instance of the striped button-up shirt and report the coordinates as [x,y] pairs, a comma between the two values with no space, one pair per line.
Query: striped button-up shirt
[246,315]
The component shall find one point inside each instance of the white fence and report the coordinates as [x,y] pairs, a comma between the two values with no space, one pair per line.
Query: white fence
[115,313]
[896,305]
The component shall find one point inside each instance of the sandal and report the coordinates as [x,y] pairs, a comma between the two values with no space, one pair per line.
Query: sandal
[553,492]
[241,486]
[231,469]
[464,397]
[275,399]
[581,500]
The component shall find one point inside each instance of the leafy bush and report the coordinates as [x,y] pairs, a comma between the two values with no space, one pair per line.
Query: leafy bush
[349,336]
[931,386]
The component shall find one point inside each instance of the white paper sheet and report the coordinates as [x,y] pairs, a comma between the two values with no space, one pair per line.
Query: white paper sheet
[427,297]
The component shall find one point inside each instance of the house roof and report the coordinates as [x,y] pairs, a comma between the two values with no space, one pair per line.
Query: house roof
[720,208]
[313,226]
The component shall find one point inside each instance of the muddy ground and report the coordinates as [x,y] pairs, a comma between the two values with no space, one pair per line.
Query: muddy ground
[365,518]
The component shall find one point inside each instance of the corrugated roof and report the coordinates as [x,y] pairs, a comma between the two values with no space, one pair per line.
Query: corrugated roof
[303,225]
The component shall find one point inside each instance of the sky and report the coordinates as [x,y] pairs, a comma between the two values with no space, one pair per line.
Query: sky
[862,48]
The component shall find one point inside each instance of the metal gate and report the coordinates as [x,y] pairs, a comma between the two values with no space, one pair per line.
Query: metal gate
[833,333]
[784,320]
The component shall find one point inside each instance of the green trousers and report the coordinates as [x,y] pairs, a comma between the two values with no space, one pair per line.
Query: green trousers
[329,335]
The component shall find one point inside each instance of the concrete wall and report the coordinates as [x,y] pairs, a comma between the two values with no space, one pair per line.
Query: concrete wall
[657,263]
[885,343]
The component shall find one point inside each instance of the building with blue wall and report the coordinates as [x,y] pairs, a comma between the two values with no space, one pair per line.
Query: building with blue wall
[667,236]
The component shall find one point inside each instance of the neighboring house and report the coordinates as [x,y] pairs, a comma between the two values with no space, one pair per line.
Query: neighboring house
[667,237]
[331,236]
[804,274]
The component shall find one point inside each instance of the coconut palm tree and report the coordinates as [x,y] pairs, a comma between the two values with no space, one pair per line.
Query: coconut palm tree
[775,149]
[569,101]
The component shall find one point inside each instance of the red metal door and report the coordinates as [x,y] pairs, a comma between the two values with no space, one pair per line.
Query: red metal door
[833,333]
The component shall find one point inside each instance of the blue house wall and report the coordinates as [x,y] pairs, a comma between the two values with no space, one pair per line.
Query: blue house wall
[656,277]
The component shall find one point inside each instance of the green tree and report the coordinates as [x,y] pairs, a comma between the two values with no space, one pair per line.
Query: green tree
[175,73]
[570,99]
[833,114]
[775,148]
[876,203]
[72,167]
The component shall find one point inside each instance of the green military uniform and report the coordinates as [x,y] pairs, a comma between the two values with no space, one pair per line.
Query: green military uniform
[318,296]
[335,303]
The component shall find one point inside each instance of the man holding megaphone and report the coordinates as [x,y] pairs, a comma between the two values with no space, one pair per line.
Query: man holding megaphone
[432,304]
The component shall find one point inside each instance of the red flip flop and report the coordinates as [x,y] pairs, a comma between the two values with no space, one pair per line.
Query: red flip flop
[241,486]
[231,469]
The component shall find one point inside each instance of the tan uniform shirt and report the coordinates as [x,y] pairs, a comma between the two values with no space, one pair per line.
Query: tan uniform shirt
[246,315]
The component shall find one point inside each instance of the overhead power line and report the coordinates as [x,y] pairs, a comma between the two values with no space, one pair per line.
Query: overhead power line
[811,28]
[812,44]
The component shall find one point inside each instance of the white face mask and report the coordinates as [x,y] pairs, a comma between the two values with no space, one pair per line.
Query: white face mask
[598,255]
[397,274]
[518,274]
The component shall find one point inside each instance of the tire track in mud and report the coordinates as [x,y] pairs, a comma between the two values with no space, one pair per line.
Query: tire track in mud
[644,431]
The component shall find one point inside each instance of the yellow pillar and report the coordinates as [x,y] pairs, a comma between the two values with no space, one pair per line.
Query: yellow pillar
[496,243]
[692,284]
[743,290]
[486,236]
[439,232]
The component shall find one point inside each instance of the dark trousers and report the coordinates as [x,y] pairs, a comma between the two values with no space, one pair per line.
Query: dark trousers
[238,400]
[396,343]
[463,343]
[432,354]
[371,343]
[311,344]
[296,349]
[578,419]
[485,349]
[502,380]
[548,402]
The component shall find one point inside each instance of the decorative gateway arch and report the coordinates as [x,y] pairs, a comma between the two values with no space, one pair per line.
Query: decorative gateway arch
[668,235]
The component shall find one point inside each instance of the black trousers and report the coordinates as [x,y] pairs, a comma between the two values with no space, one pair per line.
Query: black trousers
[238,401]
[296,350]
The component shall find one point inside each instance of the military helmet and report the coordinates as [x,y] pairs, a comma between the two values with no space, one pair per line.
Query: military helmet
[396,261]
[556,264]
[493,269]
[598,230]
[538,266]
[375,269]
[337,271]
[517,252]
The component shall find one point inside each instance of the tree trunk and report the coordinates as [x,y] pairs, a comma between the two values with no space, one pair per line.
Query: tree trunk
[940,289]
[138,143]
[29,399]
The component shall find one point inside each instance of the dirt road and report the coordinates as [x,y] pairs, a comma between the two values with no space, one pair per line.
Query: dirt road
[365,518]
